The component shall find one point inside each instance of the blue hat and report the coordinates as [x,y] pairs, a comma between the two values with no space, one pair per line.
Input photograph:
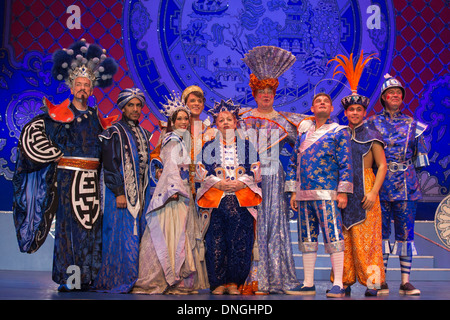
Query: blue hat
[224,106]
[127,94]
[390,82]
[355,99]
[85,60]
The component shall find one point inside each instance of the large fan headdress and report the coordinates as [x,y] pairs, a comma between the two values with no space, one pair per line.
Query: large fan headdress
[267,64]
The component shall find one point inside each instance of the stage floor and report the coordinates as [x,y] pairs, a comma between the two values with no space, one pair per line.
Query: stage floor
[37,285]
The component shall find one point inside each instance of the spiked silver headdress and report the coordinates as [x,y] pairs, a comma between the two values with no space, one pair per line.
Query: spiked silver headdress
[173,104]
[224,106]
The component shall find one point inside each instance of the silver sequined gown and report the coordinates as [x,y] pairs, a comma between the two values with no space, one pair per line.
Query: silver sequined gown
[275,267]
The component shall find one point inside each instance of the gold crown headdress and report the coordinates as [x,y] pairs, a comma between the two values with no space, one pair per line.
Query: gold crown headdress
[189,90]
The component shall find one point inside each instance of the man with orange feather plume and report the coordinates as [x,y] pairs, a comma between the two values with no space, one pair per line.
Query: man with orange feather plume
[363,257]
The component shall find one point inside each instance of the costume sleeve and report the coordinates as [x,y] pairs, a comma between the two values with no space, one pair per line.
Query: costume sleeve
[251,195]
[250,175]
[171,181]
[35,193]
[344,160]
[291,172]
[421,150]
[207,195]
[36,145]
[155,159]
[112,163]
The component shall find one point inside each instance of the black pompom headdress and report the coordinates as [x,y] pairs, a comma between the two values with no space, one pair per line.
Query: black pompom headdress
[84,60]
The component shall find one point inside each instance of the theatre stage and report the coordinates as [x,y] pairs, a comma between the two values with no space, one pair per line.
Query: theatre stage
[37,285]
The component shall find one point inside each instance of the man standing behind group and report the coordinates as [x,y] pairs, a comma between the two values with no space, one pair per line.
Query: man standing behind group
[405,151]
[319,177]
[126,157]
[193,97]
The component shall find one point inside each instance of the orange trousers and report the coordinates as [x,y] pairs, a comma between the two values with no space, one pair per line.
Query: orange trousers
[363,255]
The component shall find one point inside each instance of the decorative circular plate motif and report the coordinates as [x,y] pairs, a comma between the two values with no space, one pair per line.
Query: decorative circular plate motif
[170,45]
[442,221]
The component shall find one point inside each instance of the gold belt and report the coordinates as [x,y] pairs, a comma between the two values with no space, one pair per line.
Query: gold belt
[77,163]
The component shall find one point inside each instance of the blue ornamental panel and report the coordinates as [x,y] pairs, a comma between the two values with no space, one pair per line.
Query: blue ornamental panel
[180,43]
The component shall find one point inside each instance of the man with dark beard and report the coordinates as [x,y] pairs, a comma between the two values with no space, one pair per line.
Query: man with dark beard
[57,170]
[126,159]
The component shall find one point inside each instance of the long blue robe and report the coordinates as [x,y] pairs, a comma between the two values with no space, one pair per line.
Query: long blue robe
[123,228]
[363,138]
[228,224]
[43,191]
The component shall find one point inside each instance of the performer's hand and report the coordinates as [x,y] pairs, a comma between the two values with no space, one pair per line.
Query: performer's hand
[342,200]
[223,185]
[236,185]
[121,202]
[293,202]
[369,200]
[229,185]
[158,173]
[174,197]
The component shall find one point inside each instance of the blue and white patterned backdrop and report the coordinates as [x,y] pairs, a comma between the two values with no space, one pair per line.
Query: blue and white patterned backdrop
[202,42]
[167,45]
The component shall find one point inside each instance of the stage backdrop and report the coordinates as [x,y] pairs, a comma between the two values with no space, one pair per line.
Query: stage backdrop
[164,46]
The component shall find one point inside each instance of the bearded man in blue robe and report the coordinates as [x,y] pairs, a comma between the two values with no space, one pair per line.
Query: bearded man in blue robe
[57,170]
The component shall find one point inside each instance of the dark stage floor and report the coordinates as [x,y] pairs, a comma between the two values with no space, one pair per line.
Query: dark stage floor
[37,285]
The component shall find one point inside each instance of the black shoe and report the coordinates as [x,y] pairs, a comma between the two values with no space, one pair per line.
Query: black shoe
[370,292]
[384,290]
[64,288]
[301,290]
[409,290]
